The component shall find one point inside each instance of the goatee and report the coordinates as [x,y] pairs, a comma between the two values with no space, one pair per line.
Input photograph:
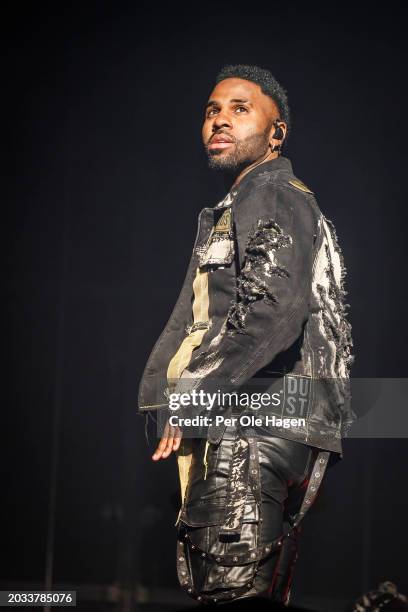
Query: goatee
[243,153]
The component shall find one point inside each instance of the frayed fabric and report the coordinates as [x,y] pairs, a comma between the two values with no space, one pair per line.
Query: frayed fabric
[330,294]
[260,265]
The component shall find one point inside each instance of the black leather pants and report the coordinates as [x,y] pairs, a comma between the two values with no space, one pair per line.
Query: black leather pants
[284,471]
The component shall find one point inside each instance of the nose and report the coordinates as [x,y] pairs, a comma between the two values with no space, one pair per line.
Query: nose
[221,120]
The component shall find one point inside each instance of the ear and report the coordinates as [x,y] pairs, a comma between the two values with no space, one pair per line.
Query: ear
[284,129]
[278,133]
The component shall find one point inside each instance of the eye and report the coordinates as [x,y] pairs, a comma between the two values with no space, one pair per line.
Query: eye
[239,108]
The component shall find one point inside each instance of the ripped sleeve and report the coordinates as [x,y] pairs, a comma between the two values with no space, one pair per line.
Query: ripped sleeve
[275,229]
[262,263]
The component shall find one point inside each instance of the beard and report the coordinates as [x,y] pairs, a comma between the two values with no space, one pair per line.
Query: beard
[243,152]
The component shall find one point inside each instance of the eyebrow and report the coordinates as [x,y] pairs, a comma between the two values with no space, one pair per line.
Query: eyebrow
[215,103]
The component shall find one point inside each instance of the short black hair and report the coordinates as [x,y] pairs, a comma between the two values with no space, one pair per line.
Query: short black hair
[267,82]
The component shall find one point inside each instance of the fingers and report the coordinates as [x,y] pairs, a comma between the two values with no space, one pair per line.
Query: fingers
[177,439]
[166,446]
[169,442]
[160,450]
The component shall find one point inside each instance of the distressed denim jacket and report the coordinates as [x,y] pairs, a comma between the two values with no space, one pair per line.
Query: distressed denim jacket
[266,279]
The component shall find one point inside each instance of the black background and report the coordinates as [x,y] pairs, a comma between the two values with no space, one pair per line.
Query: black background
[103,177]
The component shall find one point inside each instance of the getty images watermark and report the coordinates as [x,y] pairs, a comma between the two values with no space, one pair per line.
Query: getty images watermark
[207,401]
[359,407]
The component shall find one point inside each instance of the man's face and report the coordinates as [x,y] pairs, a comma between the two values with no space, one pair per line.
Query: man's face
[238,124]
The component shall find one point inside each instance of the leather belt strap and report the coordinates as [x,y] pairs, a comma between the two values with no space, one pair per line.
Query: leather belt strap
[254,471]
[316,477]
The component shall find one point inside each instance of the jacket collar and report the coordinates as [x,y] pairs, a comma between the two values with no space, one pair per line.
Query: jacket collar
[279,163]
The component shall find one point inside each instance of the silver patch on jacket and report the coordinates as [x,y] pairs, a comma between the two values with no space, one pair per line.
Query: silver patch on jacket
[329,292]
[261,263]
[329,295]
[219,249]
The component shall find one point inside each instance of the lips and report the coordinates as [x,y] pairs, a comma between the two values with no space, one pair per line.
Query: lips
[221,138]
[220,141]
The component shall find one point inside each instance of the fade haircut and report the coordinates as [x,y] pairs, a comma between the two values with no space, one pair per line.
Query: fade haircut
[266,81]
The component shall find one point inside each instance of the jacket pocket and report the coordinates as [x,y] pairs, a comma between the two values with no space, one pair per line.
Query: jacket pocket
[219,248]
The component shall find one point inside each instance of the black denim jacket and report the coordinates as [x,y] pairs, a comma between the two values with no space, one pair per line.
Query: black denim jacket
[275,308]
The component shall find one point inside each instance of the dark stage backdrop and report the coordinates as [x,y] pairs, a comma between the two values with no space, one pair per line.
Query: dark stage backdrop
[103,180]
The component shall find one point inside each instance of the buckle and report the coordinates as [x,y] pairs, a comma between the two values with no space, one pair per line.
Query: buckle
[198,325]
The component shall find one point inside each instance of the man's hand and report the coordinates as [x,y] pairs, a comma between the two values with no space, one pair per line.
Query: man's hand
[169,442]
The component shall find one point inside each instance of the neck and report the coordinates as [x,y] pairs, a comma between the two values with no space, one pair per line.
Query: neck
[242,172]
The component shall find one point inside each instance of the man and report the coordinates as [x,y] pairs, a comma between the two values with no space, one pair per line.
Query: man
[262,306]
